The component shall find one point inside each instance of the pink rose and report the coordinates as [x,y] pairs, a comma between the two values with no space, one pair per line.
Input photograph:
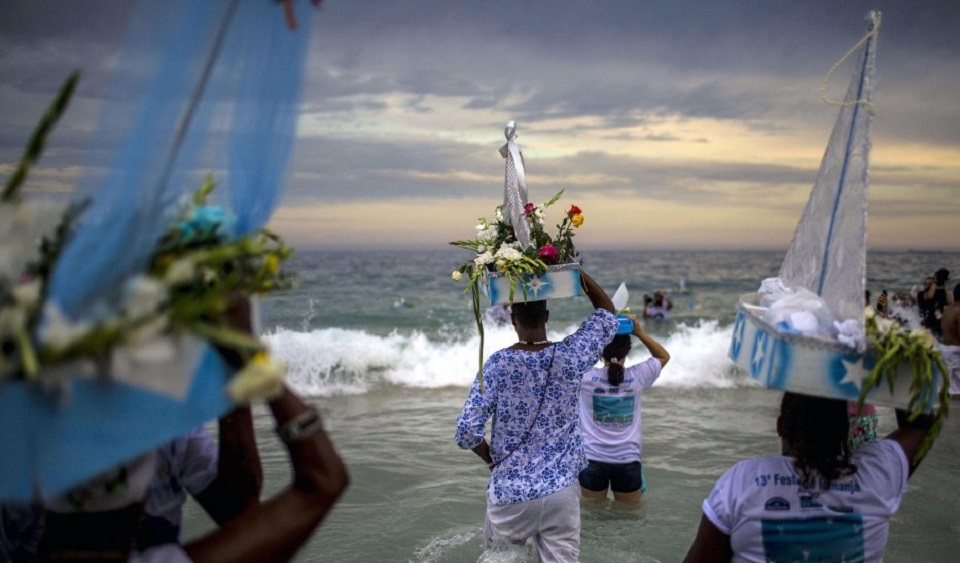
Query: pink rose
[548,253]
[529,208]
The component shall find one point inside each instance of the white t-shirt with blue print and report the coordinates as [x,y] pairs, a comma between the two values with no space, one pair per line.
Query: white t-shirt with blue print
[551,456]
[610,415]
[770,517]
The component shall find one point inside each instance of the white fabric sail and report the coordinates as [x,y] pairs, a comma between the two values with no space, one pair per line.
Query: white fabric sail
[828,253]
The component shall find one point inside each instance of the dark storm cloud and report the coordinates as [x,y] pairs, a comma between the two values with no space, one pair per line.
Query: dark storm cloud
[623,64]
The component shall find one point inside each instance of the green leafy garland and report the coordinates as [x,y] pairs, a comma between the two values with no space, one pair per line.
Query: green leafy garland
[896,347]
[196,273]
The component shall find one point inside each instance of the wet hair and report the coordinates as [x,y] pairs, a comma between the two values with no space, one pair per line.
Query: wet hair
[618,349]
[942,275]
[816,431]
[530,314]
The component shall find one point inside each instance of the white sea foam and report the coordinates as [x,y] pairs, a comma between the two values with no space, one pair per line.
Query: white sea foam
[333,361]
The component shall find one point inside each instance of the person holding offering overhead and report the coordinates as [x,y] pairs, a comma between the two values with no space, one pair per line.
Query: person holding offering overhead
[816,501]
[531,390]
[610,418]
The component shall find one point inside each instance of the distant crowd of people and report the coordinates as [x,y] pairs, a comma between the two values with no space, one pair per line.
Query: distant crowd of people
[935,307]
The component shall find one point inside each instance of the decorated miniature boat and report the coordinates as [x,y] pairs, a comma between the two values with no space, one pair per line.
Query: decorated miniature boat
[88,378]
[807,330]
[515,259]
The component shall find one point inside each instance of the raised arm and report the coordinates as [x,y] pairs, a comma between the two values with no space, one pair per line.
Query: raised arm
[239,476]
[275,529]
[597,296]
[910,434]
[655,348]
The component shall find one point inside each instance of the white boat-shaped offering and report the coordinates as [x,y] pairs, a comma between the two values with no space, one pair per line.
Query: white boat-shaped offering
[807,330]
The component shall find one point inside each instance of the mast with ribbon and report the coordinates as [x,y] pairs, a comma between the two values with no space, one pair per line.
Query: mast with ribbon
[514,186]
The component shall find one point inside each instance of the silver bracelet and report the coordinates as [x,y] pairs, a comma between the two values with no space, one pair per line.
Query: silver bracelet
[302,426]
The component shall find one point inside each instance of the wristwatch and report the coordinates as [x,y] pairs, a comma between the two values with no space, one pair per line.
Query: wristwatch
[302,426]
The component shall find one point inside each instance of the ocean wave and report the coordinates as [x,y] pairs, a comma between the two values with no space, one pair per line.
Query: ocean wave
[335,361]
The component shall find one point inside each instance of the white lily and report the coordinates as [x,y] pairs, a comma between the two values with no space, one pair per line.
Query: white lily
[260,380]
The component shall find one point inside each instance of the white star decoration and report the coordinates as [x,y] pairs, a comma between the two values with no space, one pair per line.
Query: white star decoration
[757,359]
[853,374]
[536,284]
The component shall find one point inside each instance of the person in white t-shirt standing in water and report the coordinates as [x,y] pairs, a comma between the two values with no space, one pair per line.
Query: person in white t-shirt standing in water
[610,418]
[816,501]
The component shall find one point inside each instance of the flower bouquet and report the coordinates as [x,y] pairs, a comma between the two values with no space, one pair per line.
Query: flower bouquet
[515,258]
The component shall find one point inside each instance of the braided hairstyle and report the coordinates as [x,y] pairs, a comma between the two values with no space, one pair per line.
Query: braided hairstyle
[815,430]
[618,349]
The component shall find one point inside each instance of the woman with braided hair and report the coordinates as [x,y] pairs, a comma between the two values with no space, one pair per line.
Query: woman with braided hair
[816,501]
[610,418]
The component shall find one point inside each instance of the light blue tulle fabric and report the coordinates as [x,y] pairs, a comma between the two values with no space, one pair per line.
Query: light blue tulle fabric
[199,87]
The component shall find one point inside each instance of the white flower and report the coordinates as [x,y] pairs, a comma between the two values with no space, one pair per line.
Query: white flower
[868,313]
[209,274]
[26,297]
[260,379]
[884,326]
[508,253]
[481,248]
[22,225]
[144,297]
[487,235]
[924,338]
[483,259]
[499,214]
[850,333]
[456,275]
[27,294]
[57,331]
[181,271]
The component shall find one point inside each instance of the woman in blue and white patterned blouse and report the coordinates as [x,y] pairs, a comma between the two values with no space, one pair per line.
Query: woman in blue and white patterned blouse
[531,390]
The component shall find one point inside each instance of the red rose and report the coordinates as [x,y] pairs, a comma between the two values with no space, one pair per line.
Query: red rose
[574,210]
[548,253]
[529,208]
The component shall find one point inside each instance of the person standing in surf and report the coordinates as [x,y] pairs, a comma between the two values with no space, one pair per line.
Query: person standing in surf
[531,391]
[816,501]
[950,344]
[610,418]
[659,307]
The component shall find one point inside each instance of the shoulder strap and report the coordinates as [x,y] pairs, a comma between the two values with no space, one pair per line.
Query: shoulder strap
[529,432]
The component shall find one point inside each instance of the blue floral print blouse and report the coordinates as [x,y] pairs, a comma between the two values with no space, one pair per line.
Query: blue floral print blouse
[514,381]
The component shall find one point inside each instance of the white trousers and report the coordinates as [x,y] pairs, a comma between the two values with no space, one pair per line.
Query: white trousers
[552,521]
[951,357]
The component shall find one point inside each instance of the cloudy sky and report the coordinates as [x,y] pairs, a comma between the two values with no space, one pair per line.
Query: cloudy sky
[681,124]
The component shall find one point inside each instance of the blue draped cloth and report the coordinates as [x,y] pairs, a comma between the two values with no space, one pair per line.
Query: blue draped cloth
[199,87]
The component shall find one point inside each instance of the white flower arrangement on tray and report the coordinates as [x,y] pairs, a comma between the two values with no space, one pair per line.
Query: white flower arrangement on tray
[194,278]
[893,346]
[497,250]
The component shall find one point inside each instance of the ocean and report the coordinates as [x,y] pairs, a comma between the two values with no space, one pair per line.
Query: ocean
[384,344]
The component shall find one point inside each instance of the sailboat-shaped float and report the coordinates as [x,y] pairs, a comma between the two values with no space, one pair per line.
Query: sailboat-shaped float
[807,331]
